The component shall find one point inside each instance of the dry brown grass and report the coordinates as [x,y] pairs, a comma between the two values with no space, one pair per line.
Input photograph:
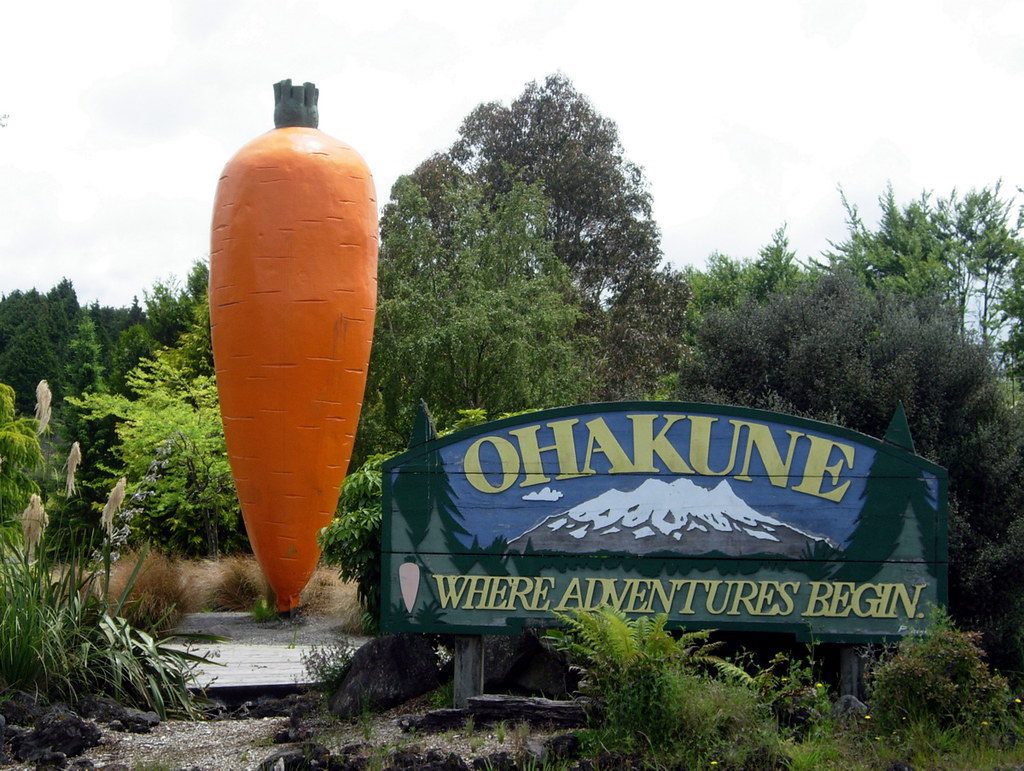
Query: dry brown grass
[167,588]
[231,583]
[160,595]
[328,595]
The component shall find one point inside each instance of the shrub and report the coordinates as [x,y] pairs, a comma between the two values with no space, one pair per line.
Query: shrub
[352,540]
[940,679]
[651,688]
[328,665]
[796,697]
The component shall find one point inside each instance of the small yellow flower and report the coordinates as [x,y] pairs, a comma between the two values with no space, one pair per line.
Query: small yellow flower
[1017,700]
[818,685]
[878,738]
[984,722]
[867,717]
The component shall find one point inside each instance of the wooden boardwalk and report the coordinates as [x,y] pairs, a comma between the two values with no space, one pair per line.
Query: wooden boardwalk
[256,656]
[252,666]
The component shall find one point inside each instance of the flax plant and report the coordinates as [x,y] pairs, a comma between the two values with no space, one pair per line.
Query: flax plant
[63,634]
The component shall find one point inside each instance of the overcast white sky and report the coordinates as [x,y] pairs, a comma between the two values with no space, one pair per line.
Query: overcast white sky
[745,115]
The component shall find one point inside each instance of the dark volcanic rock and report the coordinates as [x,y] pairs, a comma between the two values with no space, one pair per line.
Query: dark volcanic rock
[21,709]
[546,672]
[848,707]
[305,756]
[388,671]
[3,732]
[561,747]
[504,656]
[433,721]
[58,730]
[116,716]
[431,760]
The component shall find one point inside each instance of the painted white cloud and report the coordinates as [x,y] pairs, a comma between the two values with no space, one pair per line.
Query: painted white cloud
[544,494]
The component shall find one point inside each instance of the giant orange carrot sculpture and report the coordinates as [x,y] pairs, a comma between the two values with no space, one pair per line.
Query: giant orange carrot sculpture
[293,286]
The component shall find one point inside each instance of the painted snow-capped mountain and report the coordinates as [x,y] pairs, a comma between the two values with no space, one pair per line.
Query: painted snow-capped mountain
[657,516]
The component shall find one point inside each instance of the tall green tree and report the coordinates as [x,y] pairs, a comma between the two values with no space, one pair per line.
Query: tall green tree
[965,247]
[599,221]
[485,321]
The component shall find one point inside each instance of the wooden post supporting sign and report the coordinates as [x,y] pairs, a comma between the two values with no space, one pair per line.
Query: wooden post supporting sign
[469,668]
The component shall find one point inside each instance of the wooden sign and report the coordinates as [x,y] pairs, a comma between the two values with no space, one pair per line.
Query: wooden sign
[720,517]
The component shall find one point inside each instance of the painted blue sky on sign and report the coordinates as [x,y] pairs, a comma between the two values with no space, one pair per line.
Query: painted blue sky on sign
[519,509]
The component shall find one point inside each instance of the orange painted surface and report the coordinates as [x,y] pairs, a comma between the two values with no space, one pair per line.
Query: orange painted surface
[293,289]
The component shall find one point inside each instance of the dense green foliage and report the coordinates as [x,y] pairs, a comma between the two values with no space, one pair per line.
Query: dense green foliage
[941,680]
[656,699]
[838,351]
[352,539]
[170,443]
[598,222]
[477,317]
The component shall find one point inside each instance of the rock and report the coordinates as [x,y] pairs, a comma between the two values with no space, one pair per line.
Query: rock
[504,656]
[848,707]
[561,747]
[545,672]
[46,759]
[116,716]
[296,731]
[84,764]
[388,671]
[305,756]
[270,706]
[3,731]
[434,721]
[431,760]
[58,730]
[495,708]
[214,709]
[21,709]
[351,757]
[498,761]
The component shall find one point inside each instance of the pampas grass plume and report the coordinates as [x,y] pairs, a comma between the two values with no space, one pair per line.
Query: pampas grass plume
[43,399]
[74,459]
[113,504]
[33,522]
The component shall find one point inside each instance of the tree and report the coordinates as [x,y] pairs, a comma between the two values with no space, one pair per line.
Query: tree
[600,218]
[83,370]
[21,454]
[834,350]
[965,248]
[29,351]
[487,321]
[598,221]
[171,448]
